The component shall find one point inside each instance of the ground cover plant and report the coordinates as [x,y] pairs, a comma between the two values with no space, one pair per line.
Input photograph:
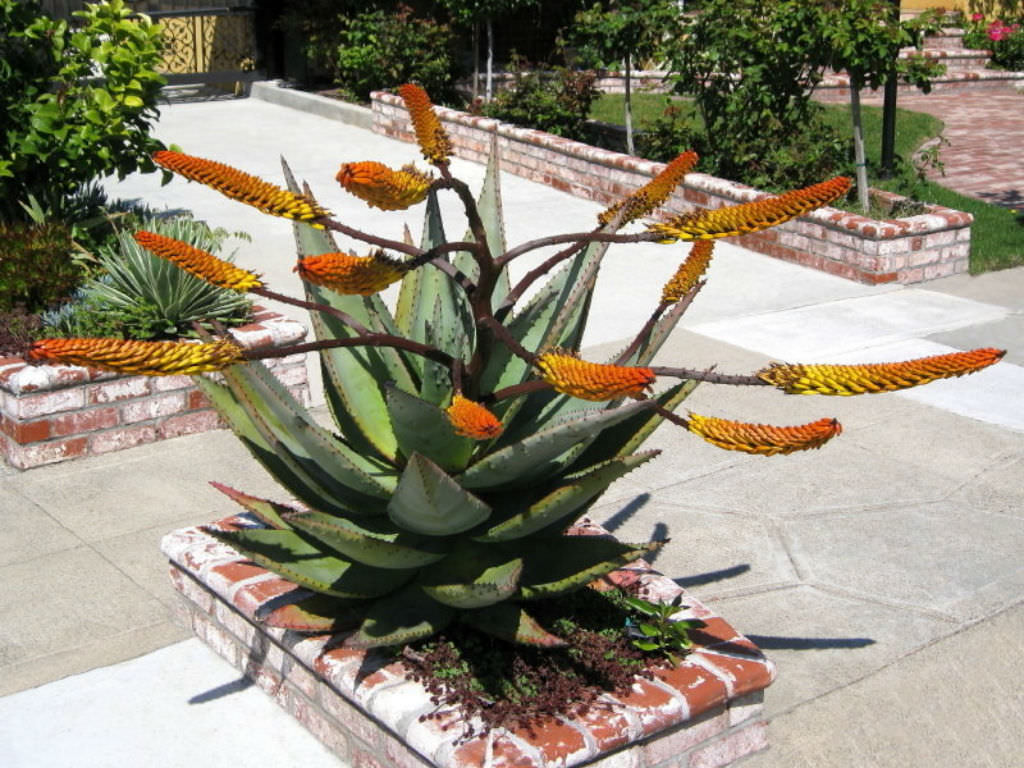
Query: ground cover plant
[469,433]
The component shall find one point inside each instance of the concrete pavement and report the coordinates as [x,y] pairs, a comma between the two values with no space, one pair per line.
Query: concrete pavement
[883,573]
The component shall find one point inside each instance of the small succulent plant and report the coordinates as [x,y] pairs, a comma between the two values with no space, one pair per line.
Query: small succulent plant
[469,432]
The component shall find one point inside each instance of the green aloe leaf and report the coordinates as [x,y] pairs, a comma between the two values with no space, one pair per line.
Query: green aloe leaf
[422,427]
[294,558]
[509,622]
[317,613]
[429,501]
[565,500]
[539,455]
[472,576]
[564,564]
[379,546]
[399,618]
[267,512]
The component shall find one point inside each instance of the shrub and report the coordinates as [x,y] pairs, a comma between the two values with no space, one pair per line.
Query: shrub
[35,270]
[1004,37]
[76,103]
[558,103]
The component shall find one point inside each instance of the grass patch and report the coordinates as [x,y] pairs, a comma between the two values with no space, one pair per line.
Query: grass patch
[997,235]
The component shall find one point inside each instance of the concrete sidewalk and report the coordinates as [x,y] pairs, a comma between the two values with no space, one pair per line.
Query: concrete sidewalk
[883,573]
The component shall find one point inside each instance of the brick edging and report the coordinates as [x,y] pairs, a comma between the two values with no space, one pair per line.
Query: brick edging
[905,250]
[707,711]
[51,413]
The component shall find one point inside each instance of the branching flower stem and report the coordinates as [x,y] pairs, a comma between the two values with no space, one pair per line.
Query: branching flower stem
[312,306]
[580,238]
[363,340]
[644,334]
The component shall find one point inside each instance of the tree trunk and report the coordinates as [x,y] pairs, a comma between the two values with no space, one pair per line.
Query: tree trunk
[629,111]
[489,92]
[858,148]
[476,60]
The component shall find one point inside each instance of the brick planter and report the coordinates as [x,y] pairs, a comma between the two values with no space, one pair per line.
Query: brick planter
[936,243]
[50,413]
[703,714]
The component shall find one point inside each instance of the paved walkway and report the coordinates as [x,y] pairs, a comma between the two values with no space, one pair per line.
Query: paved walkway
[985,131]
[882,573]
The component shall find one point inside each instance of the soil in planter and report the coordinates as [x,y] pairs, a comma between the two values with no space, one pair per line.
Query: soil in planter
[18,328]
[517,686]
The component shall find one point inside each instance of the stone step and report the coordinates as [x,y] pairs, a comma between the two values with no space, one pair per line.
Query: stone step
[953,58]
[836,87]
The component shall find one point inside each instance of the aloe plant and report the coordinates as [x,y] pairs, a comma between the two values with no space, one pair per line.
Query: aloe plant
[468,434]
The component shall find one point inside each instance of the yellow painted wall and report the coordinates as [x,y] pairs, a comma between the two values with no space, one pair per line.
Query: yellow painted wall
[920,5]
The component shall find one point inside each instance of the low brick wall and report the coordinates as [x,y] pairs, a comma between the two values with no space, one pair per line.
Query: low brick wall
[51,413]
[705,713]
[934,244]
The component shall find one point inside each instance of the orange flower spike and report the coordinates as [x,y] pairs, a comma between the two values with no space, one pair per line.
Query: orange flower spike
[351,274]
[876,377]
[379,186]
[470,419]
[431,136]
[751,217]
[593,381]
[147,358]
[689,272]
[198,262]
[652,195]
[240,186]
[762,439]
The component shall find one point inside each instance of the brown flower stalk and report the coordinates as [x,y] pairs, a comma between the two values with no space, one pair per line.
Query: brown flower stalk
[569,375]
[351,274]
[430,135]
[148,358]
[876,377]
[379,186]
[689,272]
[652,195]
[751,217]
[241,186]
[471,419]
[198,262]
[762,439]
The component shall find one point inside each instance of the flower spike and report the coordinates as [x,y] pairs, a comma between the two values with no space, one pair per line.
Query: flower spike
[652,195]
[593,381]
[876,377]
[689,272]
[751,217]
[148,358]
[379,186]
[351,274]
[430,135]
[198,262]
[241,186]
[762,439]
[471,419]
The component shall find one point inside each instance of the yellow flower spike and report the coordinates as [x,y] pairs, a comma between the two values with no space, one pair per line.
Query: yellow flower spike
[592,381]
[762,439]
[751,217]
[430,135]
[379,186]
[689,272]
[241,186]
[351,274]
[652,195]
[876,377]
[147,358]
[198,262]
[470,419]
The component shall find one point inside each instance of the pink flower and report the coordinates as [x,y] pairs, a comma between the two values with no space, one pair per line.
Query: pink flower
[977,16]
[997,33]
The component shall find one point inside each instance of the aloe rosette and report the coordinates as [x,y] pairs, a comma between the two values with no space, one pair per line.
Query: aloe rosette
[469,434]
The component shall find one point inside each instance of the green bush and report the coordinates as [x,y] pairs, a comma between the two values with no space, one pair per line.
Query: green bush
[35,270]
[141,296]
[76,102]
[1003,36]
[558,103]
[382,49]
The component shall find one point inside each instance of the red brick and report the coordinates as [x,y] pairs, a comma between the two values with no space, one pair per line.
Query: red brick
[80,422]
[655,707]
[36,454]
[188,424]
[249,598]
[25,431]
[731,748]
[557,741]
[506,753]
[120,438]
[119,389]
[153,407]
[702,690]
[741,675]
[196,400]
[608,724]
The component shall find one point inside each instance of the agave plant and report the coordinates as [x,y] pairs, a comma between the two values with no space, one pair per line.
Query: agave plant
[469,433]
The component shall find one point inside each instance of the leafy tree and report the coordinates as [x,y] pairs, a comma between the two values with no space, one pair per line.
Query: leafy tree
[623,31]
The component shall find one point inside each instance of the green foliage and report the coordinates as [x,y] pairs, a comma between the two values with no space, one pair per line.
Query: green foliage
[378,49]
[76,102]
[611,32]
[1002,35]
[139,295]
[35,270]
[656,630]
[558,102]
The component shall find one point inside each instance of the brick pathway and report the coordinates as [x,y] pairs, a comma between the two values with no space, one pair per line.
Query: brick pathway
[985,130]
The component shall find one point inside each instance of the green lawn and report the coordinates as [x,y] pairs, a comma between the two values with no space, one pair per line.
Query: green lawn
[997,234]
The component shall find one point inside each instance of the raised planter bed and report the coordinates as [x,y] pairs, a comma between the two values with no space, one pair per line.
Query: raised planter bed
[707,712]
[935,243]
[52,413]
